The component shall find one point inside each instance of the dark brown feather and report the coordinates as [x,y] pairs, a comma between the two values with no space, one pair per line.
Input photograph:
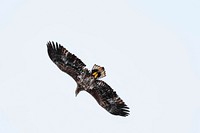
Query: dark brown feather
[66,61]
[108,99]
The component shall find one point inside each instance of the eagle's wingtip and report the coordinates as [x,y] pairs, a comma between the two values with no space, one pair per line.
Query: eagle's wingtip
[49,43]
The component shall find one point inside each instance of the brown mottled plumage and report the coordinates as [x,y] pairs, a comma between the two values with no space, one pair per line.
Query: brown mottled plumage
[87,80]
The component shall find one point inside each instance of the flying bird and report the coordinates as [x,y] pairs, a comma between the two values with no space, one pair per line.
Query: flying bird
[87,80]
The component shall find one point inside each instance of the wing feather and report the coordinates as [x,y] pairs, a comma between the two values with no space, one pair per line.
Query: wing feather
[108,99]
[66,61]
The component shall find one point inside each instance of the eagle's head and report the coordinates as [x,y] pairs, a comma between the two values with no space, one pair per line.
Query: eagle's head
[78,89]
[98,72]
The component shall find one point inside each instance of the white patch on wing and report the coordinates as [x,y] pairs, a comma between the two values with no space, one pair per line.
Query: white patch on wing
[111,101]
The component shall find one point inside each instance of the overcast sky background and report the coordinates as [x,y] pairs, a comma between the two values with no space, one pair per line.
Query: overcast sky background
[150,50]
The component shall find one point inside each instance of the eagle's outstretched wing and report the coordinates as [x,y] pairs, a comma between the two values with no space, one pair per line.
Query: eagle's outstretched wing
[66,61]
[108,99]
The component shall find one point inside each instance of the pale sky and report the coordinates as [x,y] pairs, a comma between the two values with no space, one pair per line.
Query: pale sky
[150,51]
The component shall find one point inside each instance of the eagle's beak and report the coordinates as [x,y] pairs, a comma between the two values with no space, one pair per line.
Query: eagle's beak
[78,89]
[76,94]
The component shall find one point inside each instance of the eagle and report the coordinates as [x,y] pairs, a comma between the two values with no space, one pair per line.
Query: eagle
[87,80]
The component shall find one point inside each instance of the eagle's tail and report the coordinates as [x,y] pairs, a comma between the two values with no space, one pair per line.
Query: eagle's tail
[98,72]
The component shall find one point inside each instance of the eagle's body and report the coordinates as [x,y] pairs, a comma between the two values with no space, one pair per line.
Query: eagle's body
[87,80]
